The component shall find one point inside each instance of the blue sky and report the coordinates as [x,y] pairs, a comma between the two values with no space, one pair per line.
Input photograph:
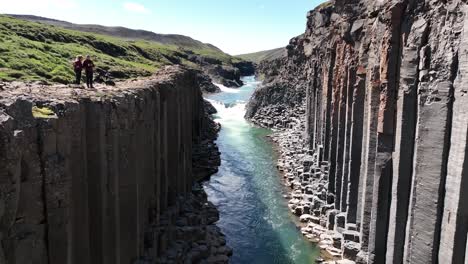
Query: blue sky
[239,26]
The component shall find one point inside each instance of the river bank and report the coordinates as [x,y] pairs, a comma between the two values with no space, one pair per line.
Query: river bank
[306,195]
[305,185]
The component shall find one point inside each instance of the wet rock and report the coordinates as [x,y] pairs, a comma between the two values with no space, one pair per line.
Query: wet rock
[209,108]
[226,75]
[206,84]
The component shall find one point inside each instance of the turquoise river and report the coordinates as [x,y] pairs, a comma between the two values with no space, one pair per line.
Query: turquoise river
[247,189]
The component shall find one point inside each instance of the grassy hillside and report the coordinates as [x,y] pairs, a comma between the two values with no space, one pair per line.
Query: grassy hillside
[257,57]
[125,33]
[35,51]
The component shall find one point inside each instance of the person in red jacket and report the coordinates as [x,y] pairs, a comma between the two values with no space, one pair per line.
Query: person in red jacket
[88,66]
[78,68]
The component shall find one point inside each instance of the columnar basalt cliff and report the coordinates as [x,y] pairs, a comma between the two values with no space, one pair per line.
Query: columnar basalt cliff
[381,175]
[105,176]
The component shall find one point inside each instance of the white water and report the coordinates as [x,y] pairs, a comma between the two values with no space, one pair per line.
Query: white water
[234,112]
[225,89]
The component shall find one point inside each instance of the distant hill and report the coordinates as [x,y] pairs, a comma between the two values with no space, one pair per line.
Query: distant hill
[126,33]
[31,51]
[260,56]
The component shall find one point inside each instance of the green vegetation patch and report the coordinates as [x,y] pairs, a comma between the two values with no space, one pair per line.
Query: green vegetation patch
[43,112]
[266,55]
[32,51]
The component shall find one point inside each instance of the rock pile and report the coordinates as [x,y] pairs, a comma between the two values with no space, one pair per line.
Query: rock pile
[307,180]
[194,238]
[310,200]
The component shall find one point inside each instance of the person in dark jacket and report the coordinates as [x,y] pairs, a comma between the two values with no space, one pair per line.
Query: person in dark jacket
[78,68]
[88,66]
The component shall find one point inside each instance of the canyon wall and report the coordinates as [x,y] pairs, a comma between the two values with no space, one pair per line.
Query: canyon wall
[382,166]
[101,176]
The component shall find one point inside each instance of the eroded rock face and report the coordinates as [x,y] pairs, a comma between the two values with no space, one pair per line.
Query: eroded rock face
[385,126]
[228,76]
[107,175]
[206,84]
[246,68]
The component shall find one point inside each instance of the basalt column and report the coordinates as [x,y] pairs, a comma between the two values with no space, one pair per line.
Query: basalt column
[385,162]
[341,84]
[432,142]
[416,32]
[330,97]
[369,147]
[347,140]
[454,225]
[388,82]
[355,148]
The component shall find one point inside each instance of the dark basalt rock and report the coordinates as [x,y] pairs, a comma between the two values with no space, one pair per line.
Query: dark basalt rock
[209,108]
[203,61]
[379,86]
[246,68]
[226,75]
[108,174]
[206,157]
[206,84]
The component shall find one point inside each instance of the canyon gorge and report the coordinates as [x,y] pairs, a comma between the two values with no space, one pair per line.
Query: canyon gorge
[361,123]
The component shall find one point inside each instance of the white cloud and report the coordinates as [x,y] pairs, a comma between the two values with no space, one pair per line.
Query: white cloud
[136,7]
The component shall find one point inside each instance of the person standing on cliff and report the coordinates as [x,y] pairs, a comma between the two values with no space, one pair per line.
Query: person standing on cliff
[88,65]
[78,68]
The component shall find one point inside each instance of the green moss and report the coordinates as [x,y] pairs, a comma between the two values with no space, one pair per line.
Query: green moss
[43,112]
